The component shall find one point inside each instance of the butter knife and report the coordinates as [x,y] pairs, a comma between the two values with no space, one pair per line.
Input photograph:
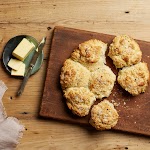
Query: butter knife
[32,64]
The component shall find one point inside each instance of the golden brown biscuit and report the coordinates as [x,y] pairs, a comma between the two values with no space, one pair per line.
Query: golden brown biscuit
[103,115]
[134,79]
[73,74]
[90,52]
[124,51]
[79,100]
[102,82]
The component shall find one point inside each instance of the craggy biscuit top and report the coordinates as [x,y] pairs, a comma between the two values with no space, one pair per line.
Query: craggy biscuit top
[90,51]
[79,100]
[103,115]
[102,82]
[73,74]
[134,79]
[124,51]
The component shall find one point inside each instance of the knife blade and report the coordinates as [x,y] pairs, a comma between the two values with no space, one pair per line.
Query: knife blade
[31,66]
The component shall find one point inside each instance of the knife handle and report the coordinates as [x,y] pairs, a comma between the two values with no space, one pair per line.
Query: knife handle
[23,84]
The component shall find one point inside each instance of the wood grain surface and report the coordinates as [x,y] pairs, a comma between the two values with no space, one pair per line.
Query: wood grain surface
[33,17]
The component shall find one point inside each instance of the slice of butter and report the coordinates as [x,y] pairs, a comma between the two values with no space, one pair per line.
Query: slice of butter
[14,64]
[19,72]
[23,49]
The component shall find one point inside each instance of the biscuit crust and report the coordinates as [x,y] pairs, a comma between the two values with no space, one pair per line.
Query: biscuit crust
[79,100]
[73,74]
[134,79]
[103,115]
[124,51]
[90,54]
[102,82]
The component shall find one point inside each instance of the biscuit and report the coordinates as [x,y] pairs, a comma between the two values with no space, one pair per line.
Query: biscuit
[124,51]
[90,52]
[79,100]
[102,82]
[73,74]
[93,66]
[103,115]
[134,79]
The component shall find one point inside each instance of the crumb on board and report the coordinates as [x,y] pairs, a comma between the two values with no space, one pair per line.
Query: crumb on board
[115,103]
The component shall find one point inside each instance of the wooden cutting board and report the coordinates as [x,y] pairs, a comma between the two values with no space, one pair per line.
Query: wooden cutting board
[134,112]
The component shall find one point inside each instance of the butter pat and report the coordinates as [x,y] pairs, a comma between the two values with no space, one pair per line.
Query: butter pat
[14,64]
[19,72]
[23,49]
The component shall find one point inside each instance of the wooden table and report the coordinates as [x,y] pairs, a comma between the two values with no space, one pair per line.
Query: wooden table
[35,18]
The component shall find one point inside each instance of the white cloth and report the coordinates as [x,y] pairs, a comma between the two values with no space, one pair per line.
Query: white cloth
[10,128]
